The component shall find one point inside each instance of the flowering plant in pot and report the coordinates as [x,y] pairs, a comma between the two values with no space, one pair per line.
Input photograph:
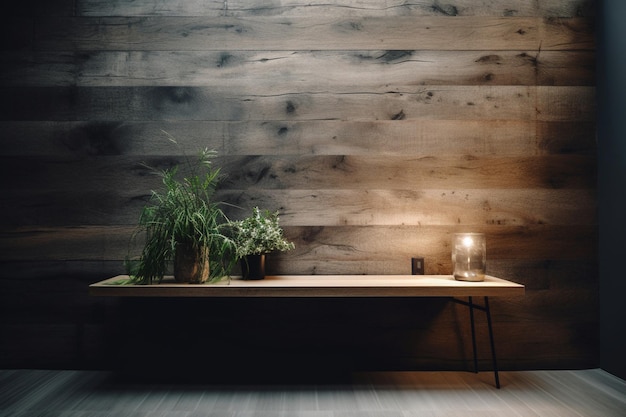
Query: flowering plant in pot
[254,237]
[184,226]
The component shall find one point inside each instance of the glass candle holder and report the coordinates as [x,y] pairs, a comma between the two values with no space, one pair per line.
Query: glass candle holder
[469,256]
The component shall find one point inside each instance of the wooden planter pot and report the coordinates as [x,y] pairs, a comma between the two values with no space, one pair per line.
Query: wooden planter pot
[191,265]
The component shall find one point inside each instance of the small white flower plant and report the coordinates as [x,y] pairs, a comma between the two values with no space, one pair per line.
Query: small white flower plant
[259,234]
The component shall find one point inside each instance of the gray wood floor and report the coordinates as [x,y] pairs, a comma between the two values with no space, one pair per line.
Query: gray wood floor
[39,393]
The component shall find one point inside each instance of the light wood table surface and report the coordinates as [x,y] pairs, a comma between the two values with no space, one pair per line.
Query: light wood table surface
[317,286]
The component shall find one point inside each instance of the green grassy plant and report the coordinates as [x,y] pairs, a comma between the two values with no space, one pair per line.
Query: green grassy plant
[184,213]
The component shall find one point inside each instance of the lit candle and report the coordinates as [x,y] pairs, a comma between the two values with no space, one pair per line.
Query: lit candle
[469,256]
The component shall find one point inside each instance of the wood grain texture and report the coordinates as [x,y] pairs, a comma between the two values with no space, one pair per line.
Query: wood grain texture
[314,33]
[558,393]
[311,286]
[376,128]
[316,172]
[308,71]
[57,139]
[347,8]
[323,207]
[541,103]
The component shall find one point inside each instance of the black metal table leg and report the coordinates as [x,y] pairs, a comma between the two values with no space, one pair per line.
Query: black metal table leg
[493,345]
[473,327]
[470,304]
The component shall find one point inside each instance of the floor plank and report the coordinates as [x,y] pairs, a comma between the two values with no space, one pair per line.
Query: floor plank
[581,393]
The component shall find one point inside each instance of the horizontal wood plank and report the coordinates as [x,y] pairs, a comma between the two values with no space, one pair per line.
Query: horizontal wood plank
[151,8]
[314,33]
[419,172]
[322,137]
[347,8]
[329,172]
[419,207]
[374,207]
[109,104]
[300,71]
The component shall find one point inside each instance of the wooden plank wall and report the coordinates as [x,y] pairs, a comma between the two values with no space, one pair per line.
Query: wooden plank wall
[378,128]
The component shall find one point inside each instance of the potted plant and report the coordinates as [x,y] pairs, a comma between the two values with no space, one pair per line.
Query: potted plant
[185,226]
[254,237]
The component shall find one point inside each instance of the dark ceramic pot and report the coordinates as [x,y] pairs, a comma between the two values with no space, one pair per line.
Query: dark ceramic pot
[253,267]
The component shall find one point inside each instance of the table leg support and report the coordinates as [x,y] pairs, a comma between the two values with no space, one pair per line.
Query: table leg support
[470,304]
[473,327]
[493,345]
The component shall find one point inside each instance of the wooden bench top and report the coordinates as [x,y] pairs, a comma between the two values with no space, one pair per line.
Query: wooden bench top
[316,286]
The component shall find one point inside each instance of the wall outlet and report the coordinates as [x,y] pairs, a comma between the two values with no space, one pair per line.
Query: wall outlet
[417,266]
